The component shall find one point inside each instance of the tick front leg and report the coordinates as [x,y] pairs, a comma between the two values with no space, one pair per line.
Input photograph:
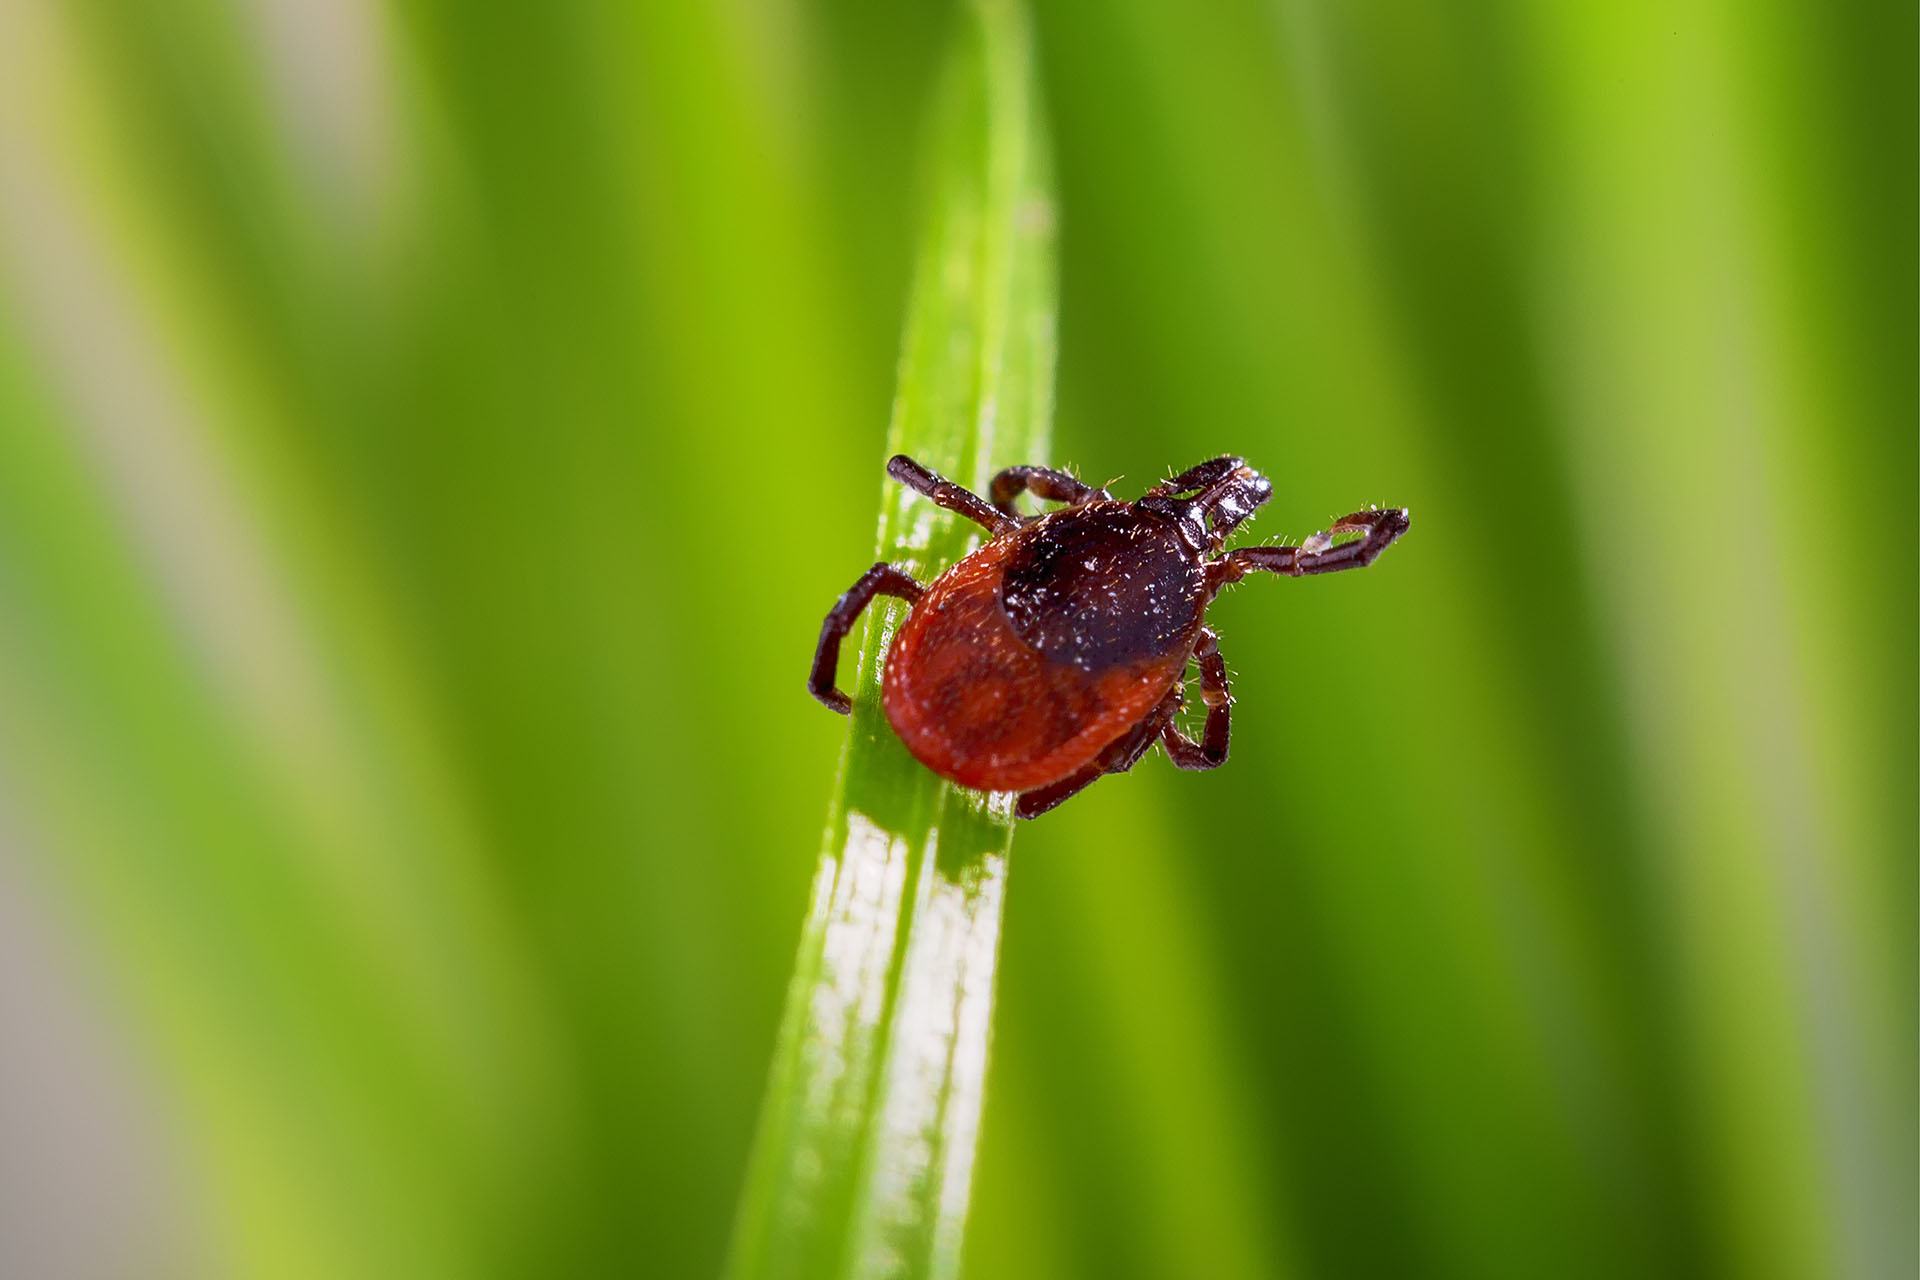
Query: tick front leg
[1041,482]
[881,580]
[1193,479]
[1317,554]
[1211,751]
[945,493]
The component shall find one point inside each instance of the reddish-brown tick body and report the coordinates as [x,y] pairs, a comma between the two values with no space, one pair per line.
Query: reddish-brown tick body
[1057,651]
[1026,659]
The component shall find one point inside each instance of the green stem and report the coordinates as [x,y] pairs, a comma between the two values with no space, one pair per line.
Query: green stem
[864,1157]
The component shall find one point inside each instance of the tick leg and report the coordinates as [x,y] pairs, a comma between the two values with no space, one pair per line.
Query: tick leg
[881,580]
[1117,757]
[945,493]
[1211,751]
[1318,554]
[1196,478]
[1032,804]
[1041,482]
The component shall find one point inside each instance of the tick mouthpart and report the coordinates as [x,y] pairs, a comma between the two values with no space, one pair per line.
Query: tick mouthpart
[1225,504]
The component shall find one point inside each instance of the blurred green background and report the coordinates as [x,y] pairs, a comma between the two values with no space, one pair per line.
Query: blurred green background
[431,433]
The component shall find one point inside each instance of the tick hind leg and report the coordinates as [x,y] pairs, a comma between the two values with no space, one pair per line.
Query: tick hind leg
[1117,757]
[1208,753]
[1123,754]
[1211,751]
[882,580]
[1379,530]
[943,492]
[1041,482]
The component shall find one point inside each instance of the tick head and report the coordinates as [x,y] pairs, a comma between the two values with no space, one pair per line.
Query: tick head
[1222,492]
[1232,499]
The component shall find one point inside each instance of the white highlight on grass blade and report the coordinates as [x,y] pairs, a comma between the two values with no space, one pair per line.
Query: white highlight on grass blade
[882,1068]
[848,997]
[934,1082]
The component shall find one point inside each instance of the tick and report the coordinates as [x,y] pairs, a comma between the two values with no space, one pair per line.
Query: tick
[1057,651]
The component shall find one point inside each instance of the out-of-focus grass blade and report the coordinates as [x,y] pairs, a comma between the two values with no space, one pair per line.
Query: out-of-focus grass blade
[865,1151]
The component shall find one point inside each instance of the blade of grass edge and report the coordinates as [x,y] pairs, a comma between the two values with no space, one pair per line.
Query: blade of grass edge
[863,1160]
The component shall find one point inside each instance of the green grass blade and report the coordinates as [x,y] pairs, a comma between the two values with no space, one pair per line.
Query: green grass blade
[865,1151]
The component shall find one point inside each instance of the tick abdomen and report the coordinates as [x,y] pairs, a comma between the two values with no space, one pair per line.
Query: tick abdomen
[989,684]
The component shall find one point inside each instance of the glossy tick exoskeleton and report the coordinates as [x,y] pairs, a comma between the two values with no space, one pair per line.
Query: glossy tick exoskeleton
[1058,650]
